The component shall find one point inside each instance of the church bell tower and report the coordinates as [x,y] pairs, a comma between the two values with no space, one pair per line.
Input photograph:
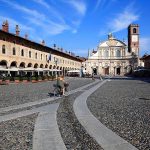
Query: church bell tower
[133,39]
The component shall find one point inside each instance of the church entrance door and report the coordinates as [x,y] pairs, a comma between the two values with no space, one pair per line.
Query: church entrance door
[95,71]
[106,71]
[118,71]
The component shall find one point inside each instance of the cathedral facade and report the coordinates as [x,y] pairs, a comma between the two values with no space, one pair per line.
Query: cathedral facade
[115,57]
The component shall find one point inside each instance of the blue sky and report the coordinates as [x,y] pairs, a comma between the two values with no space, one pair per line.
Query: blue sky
[77,25]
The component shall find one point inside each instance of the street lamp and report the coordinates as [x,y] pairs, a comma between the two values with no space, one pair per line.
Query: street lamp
[56,62]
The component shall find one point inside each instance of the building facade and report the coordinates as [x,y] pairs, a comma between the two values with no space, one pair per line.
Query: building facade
[113,56]
[146,61]
[20,52]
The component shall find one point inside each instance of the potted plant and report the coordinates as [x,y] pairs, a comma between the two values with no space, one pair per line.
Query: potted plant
[25,79]
[16,79]
[34,79]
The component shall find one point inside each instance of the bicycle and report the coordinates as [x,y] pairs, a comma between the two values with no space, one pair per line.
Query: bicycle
[57,90]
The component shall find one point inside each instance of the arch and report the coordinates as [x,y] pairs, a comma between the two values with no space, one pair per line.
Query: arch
[54,67]
[50,67]
[60,68]
[3,49]
[13,64]
[22,65]
[134,30]
[3,63]
[29,65]
[41,65]
[46,66]
[57,67]
[36,65]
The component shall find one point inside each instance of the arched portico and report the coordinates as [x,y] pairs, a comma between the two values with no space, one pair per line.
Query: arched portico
[3,63]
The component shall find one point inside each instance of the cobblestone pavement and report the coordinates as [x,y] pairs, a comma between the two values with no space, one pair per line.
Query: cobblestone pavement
[74,135]
[124,107]
[17,134]
[14,94]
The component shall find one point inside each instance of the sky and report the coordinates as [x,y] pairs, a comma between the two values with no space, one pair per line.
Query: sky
[77,25]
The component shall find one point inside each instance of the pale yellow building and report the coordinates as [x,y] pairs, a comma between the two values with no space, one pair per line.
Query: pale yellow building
[20,52]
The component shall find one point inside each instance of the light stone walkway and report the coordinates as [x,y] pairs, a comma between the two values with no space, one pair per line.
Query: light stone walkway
[46,132]
[107,139]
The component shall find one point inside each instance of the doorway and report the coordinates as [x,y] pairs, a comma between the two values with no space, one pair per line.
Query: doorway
[95,71]
[118,71]
[106,71]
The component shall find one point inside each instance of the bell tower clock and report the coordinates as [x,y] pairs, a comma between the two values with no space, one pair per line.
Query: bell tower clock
[133,39]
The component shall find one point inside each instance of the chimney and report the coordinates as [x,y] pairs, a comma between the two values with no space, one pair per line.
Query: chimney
[3,26]
[7,26]
[26,36]
[43,43]
[17,30]
[54,46]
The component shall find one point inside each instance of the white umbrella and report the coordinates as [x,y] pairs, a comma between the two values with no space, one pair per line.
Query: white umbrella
[13,69]
[46,69]
[85,71]
[55,70]
[74,71]
[3,69]
[26,69]
[39,69]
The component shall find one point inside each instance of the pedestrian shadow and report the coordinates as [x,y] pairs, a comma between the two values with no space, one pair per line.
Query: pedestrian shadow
[142,98]
[51,94]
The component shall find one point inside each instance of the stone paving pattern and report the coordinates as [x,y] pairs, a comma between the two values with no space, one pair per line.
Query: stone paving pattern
[15,94]
[74,135]
[124,107]
[17,134]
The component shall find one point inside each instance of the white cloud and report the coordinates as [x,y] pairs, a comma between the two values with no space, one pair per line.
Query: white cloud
[144,45]
[79,5]
[99,2]
[28,11]
[42,2]
[49,27]
[123,19]
[36,18]
[74,31]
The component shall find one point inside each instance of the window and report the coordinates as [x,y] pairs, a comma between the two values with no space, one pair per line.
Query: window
[46,57]
[35,55]
[134,30]
[3,49]
[29,54]
[41,56]
[14,51]
[118,54]
[22,52]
